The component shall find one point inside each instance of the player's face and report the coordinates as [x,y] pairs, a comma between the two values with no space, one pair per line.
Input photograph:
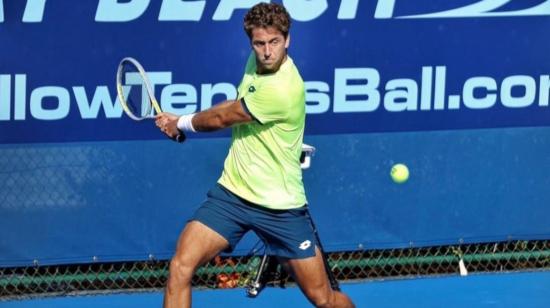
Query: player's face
[270,46]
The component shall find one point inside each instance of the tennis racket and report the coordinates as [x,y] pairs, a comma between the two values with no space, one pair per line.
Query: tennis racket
[135,92]
[270,272]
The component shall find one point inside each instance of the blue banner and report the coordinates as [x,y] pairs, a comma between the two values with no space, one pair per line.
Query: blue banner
[369,66]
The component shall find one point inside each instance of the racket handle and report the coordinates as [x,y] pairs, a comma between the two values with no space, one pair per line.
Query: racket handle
[180,138]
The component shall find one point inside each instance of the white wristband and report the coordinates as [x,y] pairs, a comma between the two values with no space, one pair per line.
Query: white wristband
[185,123]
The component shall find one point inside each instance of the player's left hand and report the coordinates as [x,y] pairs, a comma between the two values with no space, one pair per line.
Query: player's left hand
[167,123]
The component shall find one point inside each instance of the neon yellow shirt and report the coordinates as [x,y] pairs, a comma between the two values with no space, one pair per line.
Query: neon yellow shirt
[263,164]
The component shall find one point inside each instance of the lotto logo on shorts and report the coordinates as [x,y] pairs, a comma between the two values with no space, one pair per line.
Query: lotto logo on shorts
[305,245]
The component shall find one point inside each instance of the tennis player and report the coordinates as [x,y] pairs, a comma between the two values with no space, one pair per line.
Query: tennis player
[261,187]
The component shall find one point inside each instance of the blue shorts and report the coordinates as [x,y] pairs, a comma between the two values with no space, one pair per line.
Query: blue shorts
[286,233]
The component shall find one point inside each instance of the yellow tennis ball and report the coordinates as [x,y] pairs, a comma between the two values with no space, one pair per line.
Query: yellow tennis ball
[399,173]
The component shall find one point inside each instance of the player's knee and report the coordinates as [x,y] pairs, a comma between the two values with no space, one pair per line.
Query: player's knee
[181,272]
[320,298]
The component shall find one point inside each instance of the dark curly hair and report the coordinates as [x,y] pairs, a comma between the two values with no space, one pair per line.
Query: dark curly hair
[264,15]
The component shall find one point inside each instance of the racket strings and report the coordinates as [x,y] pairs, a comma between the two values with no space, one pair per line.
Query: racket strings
[135,92]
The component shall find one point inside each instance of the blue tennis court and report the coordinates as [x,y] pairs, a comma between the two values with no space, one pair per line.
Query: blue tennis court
[481,290]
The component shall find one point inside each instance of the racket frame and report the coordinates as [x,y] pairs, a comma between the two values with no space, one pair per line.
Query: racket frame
[120,90]
[152,100]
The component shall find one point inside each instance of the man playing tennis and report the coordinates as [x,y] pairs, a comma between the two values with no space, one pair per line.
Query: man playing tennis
[261,187]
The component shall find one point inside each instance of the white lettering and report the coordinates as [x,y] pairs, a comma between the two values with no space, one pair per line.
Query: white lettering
[59,112]
[34,11]
[544,91]
[454,102]
[526,82]
[439,96]
[179,98]
[178,10]
[301,10]
[20,97]
[486,83]
[305,10]
[384,9]
[317,93]
[114,11]
[5,95]
[402,95]
[225,9]
[369,89]
[426,92]
[101,100]
[348,9]
[155,78]
[355,90]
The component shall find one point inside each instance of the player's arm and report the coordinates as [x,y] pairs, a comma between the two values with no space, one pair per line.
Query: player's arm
[225,114]
[222,115]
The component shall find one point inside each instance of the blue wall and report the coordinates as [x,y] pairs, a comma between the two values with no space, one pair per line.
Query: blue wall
[460,96]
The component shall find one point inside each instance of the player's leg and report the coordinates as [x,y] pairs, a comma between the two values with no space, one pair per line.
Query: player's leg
[197,245]
[290,235]
[311,276]
[215,226]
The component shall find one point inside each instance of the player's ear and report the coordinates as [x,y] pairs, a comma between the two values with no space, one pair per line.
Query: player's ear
[287,42]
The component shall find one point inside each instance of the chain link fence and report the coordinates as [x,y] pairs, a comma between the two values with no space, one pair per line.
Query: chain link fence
[237,272]
[28,185]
